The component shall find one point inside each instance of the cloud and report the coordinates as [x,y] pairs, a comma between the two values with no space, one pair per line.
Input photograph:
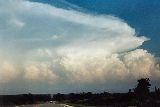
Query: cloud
[40,72]
[98,68]
[8,72]
[16,22]
[57,45]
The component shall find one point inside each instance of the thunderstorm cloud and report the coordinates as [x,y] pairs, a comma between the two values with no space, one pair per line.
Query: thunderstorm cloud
[57,47]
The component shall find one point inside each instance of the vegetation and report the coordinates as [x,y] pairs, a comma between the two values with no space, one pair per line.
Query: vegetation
[139,96]
[11,100]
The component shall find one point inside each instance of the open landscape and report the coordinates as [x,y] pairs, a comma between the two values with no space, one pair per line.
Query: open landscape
[79,53]
[140,96]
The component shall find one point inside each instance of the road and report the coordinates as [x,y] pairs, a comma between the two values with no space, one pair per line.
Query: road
[46,105]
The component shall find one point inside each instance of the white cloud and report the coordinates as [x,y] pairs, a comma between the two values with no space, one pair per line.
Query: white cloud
[78,47]
[140,63]
[98,68]
[8,72]
[40,71]
[16,22]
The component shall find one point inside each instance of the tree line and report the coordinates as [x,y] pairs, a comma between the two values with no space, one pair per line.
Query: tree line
[140,95]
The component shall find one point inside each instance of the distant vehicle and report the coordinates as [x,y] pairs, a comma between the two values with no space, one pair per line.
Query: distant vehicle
[52,102]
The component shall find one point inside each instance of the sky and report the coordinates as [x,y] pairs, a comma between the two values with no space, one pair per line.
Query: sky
[51,46]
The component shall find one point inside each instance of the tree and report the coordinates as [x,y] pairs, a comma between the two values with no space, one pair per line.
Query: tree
[142,89]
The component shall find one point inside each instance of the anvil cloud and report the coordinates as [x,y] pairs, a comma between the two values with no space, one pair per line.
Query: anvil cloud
[40,43]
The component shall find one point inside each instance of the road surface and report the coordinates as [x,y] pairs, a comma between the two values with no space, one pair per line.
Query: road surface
[46,105]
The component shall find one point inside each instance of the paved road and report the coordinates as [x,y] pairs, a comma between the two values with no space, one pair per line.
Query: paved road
[46,105]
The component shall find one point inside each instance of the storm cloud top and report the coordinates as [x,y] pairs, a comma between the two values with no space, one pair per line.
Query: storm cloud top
[63,49]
